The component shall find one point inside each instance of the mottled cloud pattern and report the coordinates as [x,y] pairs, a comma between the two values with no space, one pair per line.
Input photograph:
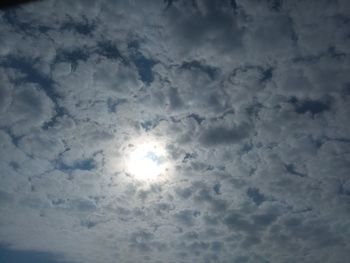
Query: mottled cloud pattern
[251,100]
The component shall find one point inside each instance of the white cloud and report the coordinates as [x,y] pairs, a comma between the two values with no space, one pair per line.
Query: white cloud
[250,100]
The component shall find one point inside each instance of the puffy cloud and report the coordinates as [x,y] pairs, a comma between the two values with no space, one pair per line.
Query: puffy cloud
[249,100]
[29,109]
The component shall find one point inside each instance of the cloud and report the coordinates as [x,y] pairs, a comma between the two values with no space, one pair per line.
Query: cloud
[9,255]
[256,196]
[29,109]
[250,100]
[187,217]
[223,135]
[204,24]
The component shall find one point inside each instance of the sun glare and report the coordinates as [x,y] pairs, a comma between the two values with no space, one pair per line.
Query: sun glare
[146,161]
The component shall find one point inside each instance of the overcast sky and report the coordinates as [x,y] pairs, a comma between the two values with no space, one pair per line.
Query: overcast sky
[249,100]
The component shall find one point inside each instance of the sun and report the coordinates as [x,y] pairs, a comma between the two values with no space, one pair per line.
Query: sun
[146,161]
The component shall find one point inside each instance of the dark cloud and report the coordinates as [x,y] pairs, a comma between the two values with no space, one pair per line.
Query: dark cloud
[184,192]
[256,196]
[211,22]
[144,67]
[196,65]
[29,73]
[88,223]
[290,168]
[82,205]
[72,56]
[109,50]
[224,135]
[113,104]
[21,256]
[82,26]
[310,106]
[174,99]
[187,217]
[87,164]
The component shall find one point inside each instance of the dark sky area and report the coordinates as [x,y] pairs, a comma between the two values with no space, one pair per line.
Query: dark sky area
[175,131]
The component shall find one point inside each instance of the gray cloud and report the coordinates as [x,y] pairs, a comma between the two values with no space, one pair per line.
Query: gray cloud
[224,135]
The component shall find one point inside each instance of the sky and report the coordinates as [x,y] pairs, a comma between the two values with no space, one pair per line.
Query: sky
[175,131]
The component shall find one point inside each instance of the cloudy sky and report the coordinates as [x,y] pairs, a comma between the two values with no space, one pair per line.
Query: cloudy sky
[175,131]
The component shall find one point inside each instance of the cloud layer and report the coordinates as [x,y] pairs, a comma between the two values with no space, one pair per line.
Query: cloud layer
[249,98]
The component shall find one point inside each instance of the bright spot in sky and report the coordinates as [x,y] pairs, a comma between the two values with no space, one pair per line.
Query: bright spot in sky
[146,161]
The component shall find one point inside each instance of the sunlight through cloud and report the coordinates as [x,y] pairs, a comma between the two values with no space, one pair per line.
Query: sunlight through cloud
[146,161]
